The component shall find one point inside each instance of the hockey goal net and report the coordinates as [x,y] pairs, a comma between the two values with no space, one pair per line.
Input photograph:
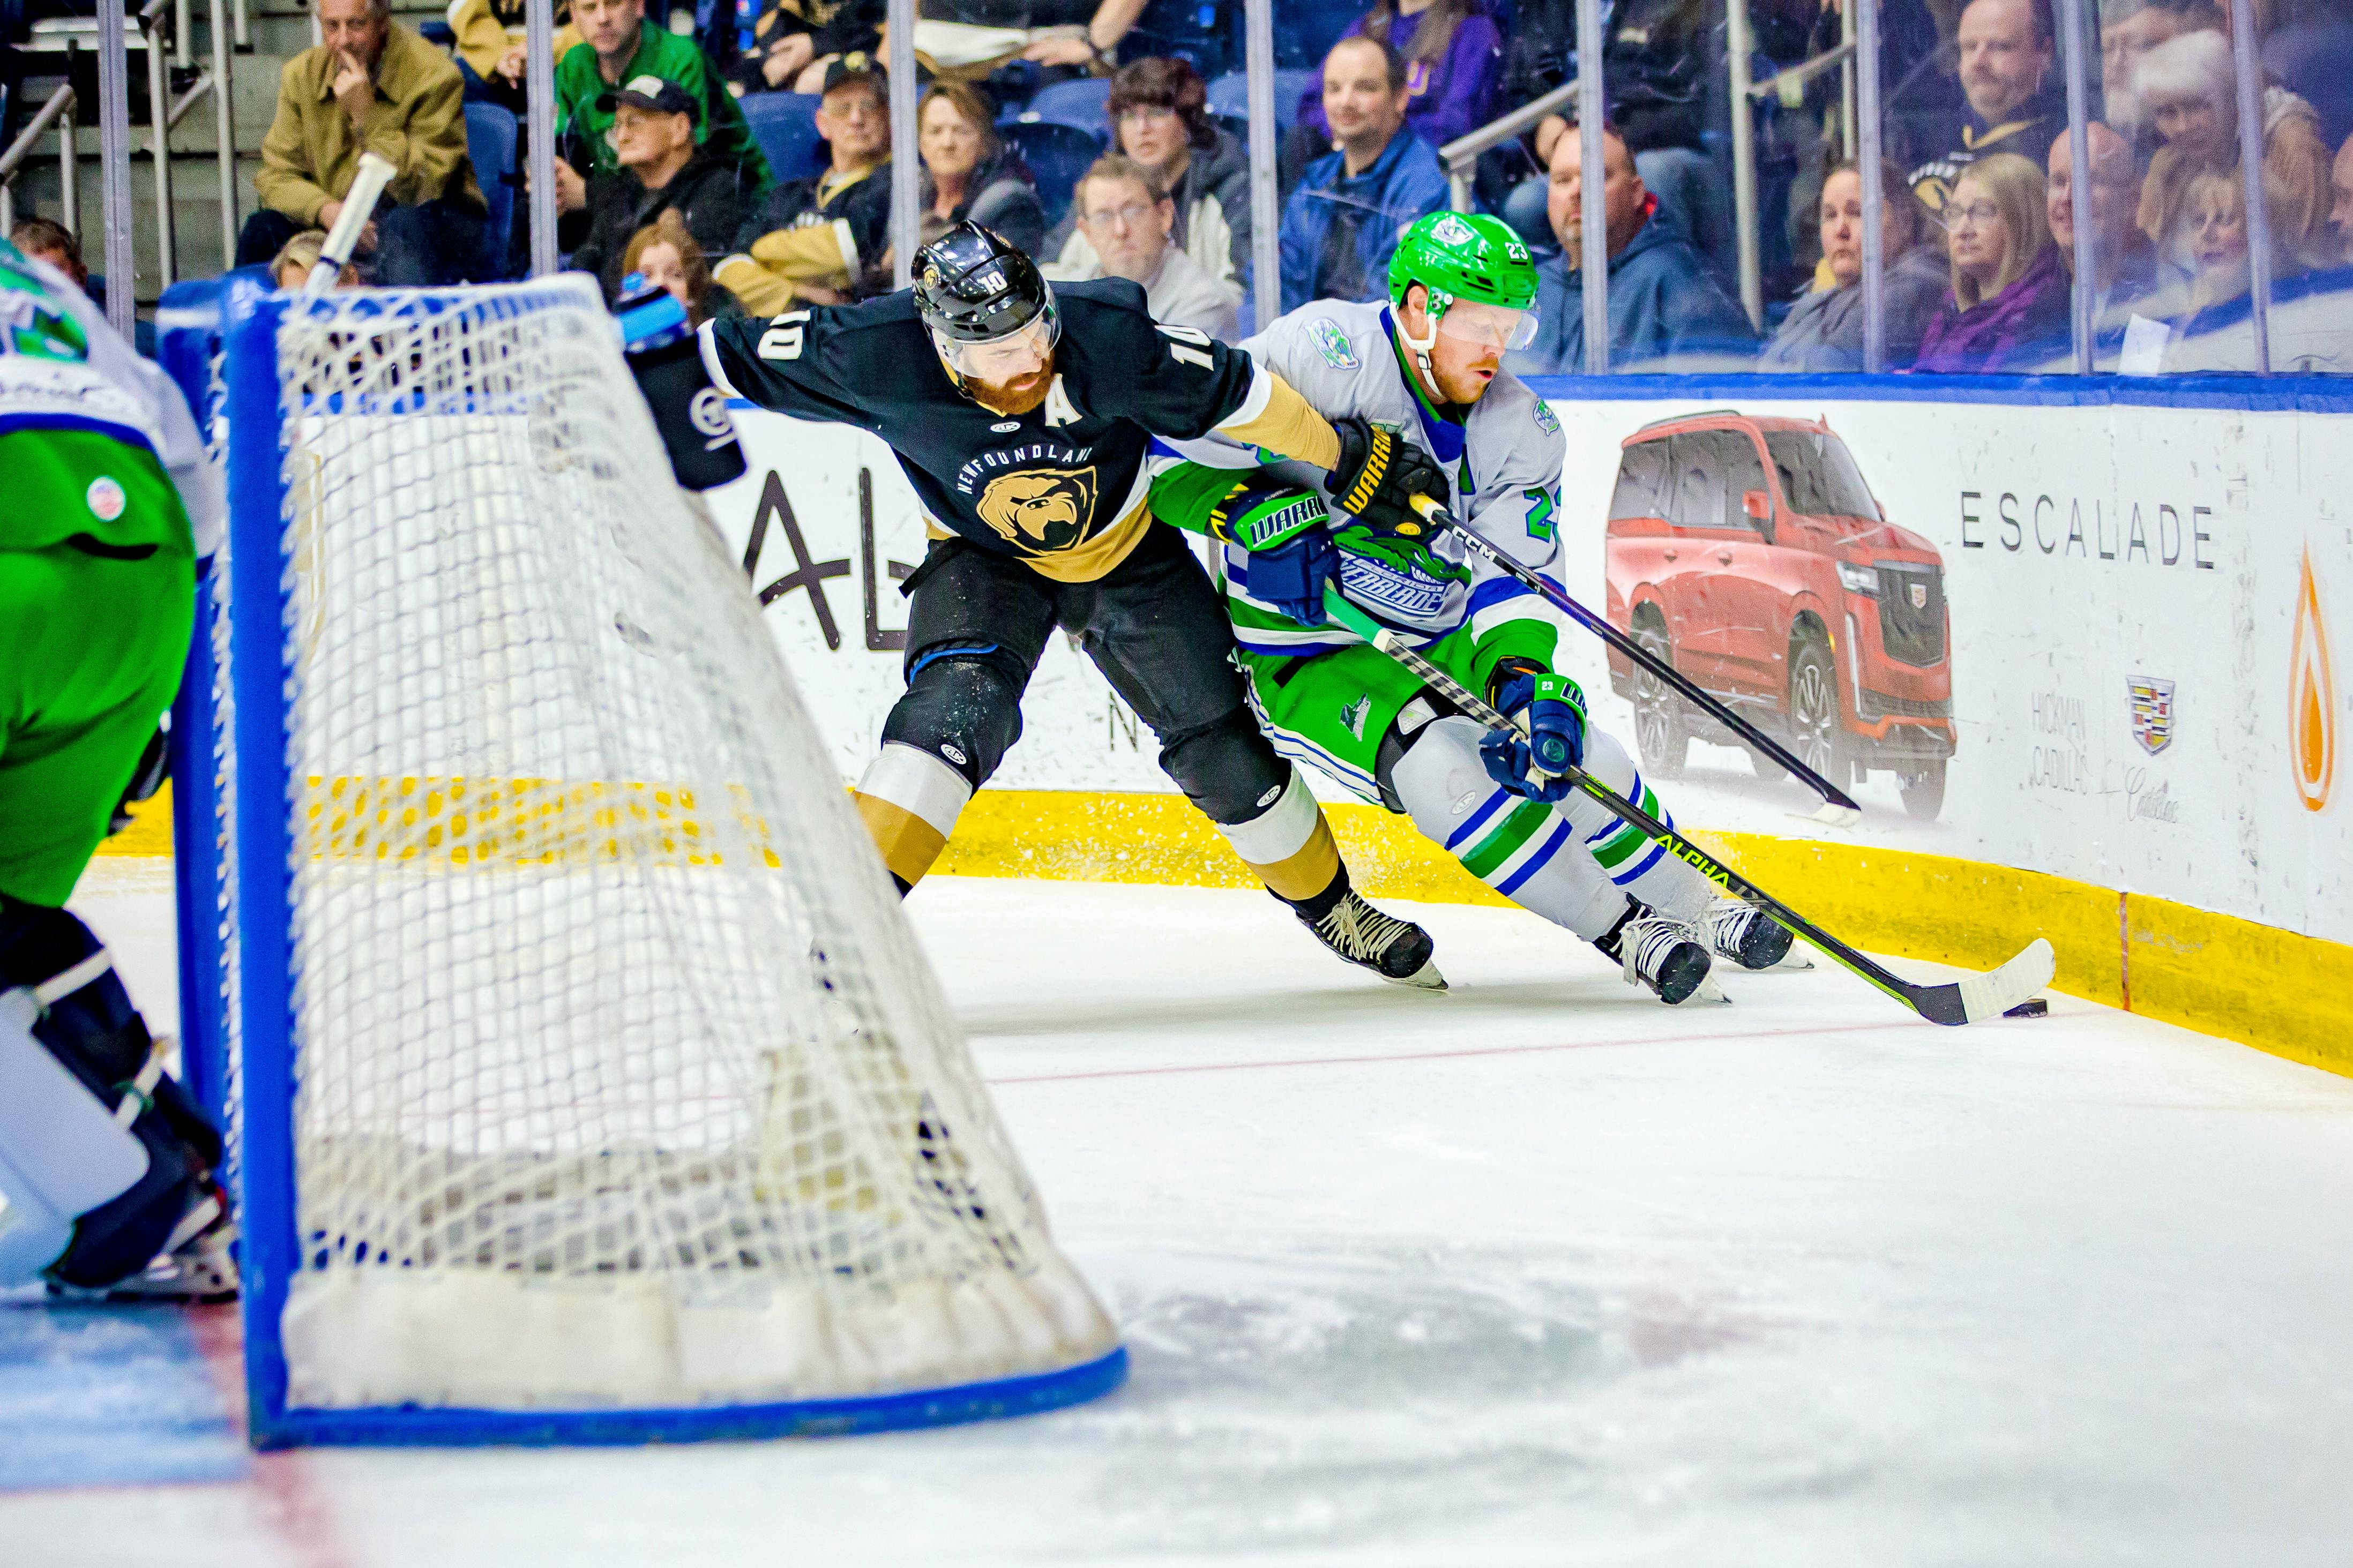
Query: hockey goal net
[591,1084]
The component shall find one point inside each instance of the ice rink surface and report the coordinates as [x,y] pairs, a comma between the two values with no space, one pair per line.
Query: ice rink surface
[1537,1271]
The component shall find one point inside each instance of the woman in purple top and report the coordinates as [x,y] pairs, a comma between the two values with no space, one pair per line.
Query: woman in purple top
[2008,306]
[1453,52]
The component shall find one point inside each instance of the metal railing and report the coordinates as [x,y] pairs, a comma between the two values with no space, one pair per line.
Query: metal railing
[160,30]
[1462,154]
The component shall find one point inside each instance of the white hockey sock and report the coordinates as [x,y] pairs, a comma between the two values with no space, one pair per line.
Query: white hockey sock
[1520,847]
[1666,882]
[910,800]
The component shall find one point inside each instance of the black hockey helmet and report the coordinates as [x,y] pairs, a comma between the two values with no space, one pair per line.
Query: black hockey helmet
[973,287]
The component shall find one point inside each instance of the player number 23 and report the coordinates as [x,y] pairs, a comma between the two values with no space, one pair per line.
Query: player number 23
[783,338]
[1197,353]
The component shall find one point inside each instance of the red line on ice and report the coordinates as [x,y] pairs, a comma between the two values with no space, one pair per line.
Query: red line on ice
[1450,1056]
[292,1503]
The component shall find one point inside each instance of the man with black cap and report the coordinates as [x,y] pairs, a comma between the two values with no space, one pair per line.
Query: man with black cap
[661,166]
[813,241]
[1022,415]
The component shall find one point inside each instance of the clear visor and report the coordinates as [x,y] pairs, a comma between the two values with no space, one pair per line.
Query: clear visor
[1019,352]
[1489,326]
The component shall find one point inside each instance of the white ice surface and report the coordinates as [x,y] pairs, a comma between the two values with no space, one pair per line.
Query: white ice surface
[1533,1272]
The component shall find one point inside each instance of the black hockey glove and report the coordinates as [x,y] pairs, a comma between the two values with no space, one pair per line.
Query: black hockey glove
[666,357]
[1378,476]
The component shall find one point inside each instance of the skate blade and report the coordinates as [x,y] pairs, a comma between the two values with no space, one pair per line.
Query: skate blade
[1426,978]
[1831,814]
[1709,991]
[1796,958]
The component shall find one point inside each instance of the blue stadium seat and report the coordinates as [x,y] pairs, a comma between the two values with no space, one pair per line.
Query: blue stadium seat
[1084,104]
[1057,155]
[1206,34]
[1229,95]
[1305,30]
[785,125]
[491,136]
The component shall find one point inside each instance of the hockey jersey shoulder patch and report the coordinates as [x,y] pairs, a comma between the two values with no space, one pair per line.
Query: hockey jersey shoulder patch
[1333,342]
[1547,421]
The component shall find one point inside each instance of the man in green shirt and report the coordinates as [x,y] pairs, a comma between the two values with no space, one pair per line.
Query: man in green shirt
[618,45]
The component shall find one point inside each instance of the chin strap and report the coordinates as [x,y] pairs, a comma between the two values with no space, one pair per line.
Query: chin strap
[1421,347]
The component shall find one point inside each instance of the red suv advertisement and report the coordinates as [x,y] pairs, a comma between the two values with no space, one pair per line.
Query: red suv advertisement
[1751,554]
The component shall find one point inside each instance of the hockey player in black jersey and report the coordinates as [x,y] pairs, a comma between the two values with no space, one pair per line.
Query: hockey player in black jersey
[1023,414]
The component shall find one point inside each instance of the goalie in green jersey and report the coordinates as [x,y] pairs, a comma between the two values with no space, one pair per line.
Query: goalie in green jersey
[1427,365]
[106,1166]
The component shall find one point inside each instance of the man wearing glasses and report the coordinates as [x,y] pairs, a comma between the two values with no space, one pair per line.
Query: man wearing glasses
[1128,219]
[1429,362]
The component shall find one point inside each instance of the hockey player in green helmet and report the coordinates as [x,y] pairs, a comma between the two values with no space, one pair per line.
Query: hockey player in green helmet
[1427,365]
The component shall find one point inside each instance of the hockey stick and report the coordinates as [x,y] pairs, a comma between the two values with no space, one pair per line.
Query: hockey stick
[1966,1001]
[375,171]
[1841,810]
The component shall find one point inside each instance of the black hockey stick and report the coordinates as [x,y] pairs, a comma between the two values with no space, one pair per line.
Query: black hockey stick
[1841,811]
[1966,1001]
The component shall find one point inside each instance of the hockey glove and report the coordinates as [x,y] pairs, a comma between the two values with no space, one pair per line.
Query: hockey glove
[1378,476]
[1292,575]
[666,357]
[1553,708]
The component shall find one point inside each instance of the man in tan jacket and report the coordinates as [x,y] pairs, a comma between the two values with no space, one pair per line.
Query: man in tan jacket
[372,86]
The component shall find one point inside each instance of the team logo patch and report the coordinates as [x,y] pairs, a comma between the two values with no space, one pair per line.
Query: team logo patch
[1333,344]
[1355,714]
[105,499]
[1407,591]
[2152,710]
[708,415]
[1040,509]
[1451,230]
[1547,420]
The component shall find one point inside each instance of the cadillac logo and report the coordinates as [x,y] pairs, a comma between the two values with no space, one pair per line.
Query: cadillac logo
[2152,712]
[1919,596]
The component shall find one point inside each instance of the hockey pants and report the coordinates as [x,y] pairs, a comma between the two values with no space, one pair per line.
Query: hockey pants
[1157,631]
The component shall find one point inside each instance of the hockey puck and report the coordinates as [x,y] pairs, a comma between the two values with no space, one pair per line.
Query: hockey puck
[2032,1007]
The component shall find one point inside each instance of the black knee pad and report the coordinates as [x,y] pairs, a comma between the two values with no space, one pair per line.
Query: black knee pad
[96,1034]
[1226,767]
[962,705]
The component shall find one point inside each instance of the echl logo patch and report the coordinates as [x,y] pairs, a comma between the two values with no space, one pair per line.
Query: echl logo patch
[2152,712]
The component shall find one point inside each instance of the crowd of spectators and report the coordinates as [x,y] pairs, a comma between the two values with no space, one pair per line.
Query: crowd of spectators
[659,171]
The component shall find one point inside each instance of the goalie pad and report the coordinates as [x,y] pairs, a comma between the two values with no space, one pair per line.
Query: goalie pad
[104,1151]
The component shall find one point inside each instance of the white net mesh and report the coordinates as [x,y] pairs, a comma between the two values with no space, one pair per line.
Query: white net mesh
[620,1079]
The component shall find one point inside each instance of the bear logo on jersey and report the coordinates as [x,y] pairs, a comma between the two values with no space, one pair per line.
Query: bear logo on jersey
[1040,509]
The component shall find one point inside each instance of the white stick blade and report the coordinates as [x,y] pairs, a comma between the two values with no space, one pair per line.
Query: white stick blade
[1990,995]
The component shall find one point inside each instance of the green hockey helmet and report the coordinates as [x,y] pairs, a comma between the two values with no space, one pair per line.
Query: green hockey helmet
[1463,259]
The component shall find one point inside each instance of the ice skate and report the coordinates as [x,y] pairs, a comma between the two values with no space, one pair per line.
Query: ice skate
[1660,953]
[1747,935]
[1399,952]
[195,1265]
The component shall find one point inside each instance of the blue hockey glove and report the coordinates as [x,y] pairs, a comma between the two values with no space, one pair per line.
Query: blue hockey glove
[690,413]
[1553,708]
[1292,575]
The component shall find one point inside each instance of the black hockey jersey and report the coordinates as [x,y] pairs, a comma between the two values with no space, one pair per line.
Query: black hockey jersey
[1063,487]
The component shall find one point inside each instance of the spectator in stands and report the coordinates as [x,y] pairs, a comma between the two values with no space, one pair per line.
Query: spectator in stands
[1019,45]
[2216,211]
[618,44]
[1451,49]
[1350,206]
[1160,118]
[817,240]
[2189,91]
[290,268]
[2015,98]
[2340,206]
[1663,304]
[1824,330]
[792,45]
[45,239]
[2009,307]
[2125,278]
[371,86]
[969,174]
[662,168]
[490,48]
[665,255]
[2128,30]
[1128,222]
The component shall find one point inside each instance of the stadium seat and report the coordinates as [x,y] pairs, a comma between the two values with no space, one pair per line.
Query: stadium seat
[785,125]
[1305,30]
[1206,34]
[1057,155]
[1084,104]
[1229,96]
[491,137]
